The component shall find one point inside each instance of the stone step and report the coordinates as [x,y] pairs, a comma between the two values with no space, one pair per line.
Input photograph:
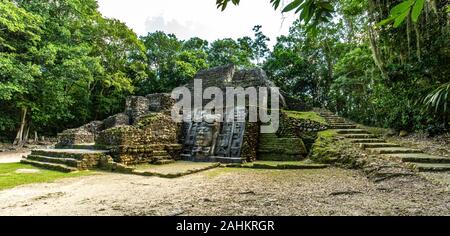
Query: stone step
[420,158]
[164,162]
[67,153]
[160,153]
[343,126]
[56,154]
[359,136]
[162,157]
[352,131]
[346,125]
[369,140]
[64,161]
[393,150]
[279,150]
[377,145]
[339,123]
[424,167]
[85,146]
[278,141]
[50,166]
[226,159]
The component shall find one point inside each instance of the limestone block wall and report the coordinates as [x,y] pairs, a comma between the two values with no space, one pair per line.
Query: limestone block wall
[151,129]
[74,137]
[136,107]
[120,119]
[153,138]
[160,102]
[300,128]
[249,151]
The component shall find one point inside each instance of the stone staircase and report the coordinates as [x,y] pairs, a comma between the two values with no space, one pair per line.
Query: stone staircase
[375,145]
[162,157]
[273,148]
[64,160]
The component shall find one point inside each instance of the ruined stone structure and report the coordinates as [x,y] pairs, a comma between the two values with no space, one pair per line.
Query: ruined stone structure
[143,133]
[230,142]
[146,133]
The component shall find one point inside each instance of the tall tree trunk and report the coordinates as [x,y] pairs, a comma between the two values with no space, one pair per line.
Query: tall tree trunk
[376,52]
[408,36]
[418,53]
[25,136]
[20,133]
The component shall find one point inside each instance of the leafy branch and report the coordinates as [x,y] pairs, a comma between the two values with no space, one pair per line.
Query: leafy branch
[315,10]
[401,11]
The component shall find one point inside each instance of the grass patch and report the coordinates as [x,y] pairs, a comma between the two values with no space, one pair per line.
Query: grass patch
[9,178]
[306,116]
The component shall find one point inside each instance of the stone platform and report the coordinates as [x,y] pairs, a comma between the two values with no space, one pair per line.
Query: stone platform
[65,160]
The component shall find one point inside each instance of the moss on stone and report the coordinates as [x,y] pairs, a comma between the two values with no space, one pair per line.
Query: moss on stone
[329,149]
[324,149]
[273,148]
[147,120]
[306,116]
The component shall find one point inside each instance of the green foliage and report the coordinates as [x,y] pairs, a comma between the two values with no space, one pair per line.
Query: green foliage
[325,150]
[316,10]
[172,62]
[375,76]
[228,51]
[439,99]
[305,116]
[401,11]
[259,45]
[63,63]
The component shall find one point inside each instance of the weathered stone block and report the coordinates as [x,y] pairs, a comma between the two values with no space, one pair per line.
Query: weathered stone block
[152,138]
[249,150]
[160,102]
[136,107]
[75,137]
[93,127]
[120,119]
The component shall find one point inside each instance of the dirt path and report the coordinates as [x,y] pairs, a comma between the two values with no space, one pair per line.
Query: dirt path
[230,192]
[13,156]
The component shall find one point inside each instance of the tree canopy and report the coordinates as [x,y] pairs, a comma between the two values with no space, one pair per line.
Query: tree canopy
[377,62]
[63,64]
[389,75]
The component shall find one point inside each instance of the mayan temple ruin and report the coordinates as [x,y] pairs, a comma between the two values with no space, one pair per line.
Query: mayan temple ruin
[145,133]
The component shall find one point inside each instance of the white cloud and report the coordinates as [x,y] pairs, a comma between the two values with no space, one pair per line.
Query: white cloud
[200,18]
[182,30]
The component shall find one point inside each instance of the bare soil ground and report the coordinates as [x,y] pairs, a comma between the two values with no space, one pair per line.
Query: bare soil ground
[224,191]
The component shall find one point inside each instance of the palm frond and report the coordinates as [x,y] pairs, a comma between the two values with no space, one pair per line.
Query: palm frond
[438,100]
